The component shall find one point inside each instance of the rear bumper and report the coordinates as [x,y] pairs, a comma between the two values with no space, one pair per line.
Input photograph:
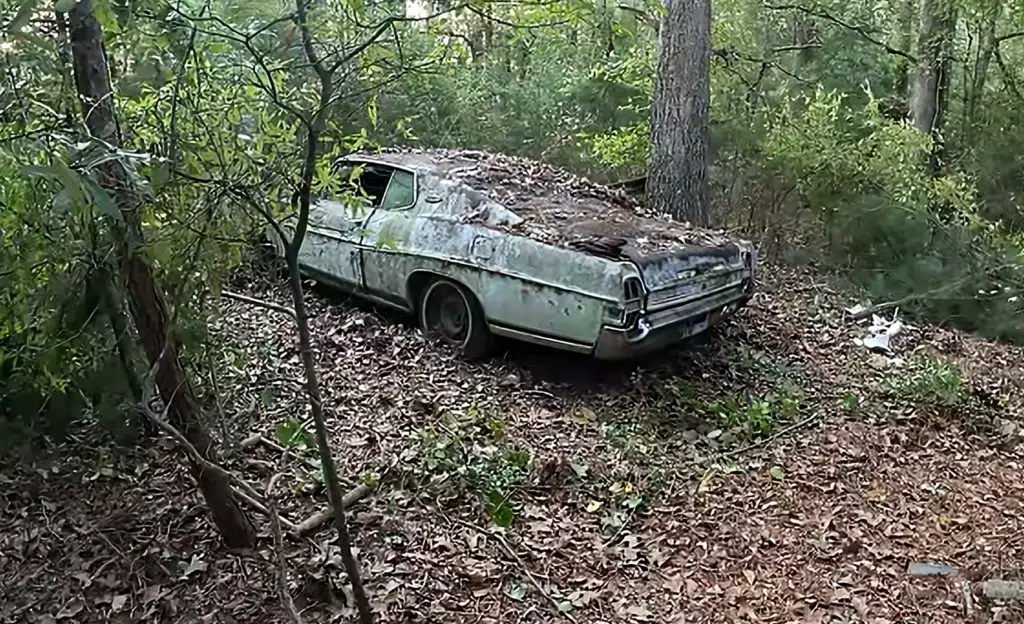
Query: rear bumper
[657,330]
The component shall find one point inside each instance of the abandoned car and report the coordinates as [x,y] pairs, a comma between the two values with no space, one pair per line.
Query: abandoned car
[478,245]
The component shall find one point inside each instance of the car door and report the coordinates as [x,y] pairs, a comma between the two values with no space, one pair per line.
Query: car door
[386,261]
[331,249]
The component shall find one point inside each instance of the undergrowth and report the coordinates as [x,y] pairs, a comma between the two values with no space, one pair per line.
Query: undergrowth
[469,450]
[930,381]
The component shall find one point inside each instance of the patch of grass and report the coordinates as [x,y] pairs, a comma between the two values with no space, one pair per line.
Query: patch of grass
[753,417]
[930,381]
[470,450]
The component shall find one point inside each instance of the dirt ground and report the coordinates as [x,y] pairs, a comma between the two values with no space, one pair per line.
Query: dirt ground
[777,473]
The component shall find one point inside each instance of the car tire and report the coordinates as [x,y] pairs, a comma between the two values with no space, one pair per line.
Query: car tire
[449,312]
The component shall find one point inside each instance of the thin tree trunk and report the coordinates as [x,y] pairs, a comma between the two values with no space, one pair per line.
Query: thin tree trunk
[986,50]
[677,168]
[313,131]
[906,26]
[930,84]
[146,301]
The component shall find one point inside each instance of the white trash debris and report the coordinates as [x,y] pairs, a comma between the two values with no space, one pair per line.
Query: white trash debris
[881,332]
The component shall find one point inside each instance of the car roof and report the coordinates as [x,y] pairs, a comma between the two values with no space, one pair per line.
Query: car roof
[422,161]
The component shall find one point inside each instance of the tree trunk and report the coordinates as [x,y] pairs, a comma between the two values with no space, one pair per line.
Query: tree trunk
[930,84]
[986,50]
[678,163]
[905,41]
[145,298]
[314,129]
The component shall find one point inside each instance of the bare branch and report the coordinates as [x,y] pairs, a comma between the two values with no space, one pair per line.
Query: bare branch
[522,566]
[859,30]
[258,302]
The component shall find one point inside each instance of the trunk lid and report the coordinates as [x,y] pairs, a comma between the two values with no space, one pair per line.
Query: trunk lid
[672,277]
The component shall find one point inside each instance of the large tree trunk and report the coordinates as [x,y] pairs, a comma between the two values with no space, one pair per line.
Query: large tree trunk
[930,84]
[677,169]
[145,298]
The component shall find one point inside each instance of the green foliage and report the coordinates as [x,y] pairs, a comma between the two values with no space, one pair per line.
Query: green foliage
[930,381]
[470,450]
[746,418]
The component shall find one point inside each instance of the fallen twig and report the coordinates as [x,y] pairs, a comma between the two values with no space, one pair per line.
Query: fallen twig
[282,564]
[778,434]
[266,510]
[310,525]
[227,294]
[259,438]
[522,566]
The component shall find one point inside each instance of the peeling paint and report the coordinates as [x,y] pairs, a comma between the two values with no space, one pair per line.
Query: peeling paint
[525,286]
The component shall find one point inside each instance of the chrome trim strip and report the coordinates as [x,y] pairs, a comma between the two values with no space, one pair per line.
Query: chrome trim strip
[680,301]
[516,334]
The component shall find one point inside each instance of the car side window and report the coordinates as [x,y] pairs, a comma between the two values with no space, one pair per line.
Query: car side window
[371,180]
[401,191]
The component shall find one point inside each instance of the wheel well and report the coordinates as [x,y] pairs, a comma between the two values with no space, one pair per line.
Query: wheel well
[418,281]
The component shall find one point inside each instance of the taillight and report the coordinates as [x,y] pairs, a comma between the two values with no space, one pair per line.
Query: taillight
[633,289]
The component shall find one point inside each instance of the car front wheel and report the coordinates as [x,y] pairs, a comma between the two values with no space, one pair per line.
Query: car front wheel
[449,312]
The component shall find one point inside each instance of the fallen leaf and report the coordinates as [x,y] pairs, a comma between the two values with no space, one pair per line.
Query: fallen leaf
[515,591]
[673,584]
[70,610]
[118,602]
[196,565]
[153,592]
[639,611]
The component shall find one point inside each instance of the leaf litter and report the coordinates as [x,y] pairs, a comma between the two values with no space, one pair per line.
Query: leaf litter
[619,505]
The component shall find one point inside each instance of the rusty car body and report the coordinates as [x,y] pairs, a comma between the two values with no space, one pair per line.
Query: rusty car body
[477,245]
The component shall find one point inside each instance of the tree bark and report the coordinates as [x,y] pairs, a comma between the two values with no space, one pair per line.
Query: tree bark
[145,298]
[986,50]
[678,162]
[906,25]
[314,129]
[930,84]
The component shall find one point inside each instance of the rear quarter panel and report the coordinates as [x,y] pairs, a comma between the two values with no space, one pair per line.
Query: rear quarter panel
[520,283]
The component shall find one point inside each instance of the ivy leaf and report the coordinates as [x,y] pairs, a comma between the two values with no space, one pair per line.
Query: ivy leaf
[290,432]
[516,591]
[61,203]
[777,473]
[159,176]
[103,202]
[498,510]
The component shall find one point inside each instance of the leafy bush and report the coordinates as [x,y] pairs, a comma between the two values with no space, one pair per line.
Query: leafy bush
[932,382]
[470,450]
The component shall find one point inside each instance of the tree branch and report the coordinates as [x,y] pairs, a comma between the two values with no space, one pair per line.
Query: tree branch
[859,30]
[227,294]
[1009,36]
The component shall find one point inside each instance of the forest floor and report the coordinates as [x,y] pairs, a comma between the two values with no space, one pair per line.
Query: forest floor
[777,473]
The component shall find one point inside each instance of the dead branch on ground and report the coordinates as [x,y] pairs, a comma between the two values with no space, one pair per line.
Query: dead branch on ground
[522,566]
[310,525]
[276,307]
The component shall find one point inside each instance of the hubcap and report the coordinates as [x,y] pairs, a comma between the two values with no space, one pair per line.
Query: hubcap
[447,314]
